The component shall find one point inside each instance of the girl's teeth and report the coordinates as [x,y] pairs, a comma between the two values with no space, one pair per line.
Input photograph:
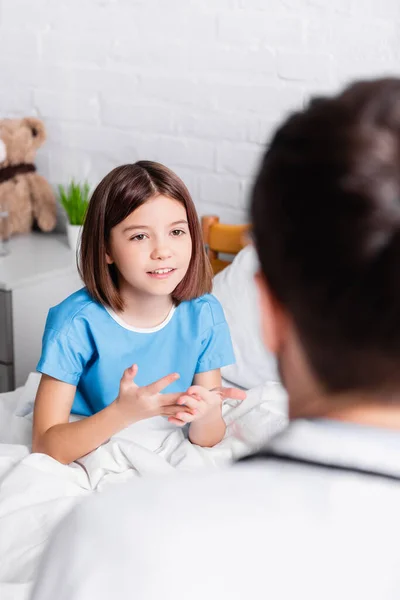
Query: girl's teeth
[162,271]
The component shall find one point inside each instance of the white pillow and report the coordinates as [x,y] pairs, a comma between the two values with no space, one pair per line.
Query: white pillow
[235,288]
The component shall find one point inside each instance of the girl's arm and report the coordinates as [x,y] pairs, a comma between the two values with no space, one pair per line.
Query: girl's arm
[66,442]
[210,429]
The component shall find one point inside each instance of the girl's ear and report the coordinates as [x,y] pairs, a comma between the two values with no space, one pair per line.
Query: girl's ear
[273,316]
[107,247]
[109,257]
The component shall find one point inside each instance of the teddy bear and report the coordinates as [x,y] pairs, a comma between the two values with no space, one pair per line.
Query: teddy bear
[26,195]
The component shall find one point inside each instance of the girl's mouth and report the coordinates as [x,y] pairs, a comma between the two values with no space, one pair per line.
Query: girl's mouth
[161,273]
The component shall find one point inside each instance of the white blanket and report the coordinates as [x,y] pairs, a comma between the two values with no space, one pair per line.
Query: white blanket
[37,491]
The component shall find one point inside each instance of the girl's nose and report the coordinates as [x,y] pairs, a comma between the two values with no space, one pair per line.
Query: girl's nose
[161,253]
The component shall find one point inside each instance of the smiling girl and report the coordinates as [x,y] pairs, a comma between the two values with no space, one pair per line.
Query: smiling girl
[144,323]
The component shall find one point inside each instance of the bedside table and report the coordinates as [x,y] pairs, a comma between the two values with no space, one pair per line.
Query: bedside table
[38,273]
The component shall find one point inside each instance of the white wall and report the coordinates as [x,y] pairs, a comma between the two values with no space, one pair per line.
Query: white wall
[196,84]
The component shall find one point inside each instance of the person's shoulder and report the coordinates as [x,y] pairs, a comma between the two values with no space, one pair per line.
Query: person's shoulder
[206,503]
[243,507]
[79,304]
[228,496]
[239,492]
[208,308]
[210,490]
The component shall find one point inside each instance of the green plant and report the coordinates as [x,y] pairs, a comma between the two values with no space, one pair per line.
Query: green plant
[75,198]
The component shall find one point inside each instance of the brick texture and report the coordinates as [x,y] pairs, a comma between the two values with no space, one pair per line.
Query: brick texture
[197,84]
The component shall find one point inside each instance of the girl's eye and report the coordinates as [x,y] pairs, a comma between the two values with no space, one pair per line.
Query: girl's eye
[138,238]
[178,232]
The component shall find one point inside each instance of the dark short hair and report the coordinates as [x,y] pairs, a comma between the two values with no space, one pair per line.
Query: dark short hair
[326,217]
[120,193]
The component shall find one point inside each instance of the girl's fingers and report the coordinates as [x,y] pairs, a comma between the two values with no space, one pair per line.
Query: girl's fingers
[189,401]
[172,411]
[176,421]
[158,386]
[185,417]
[231,393]
[130,374]
[169,399]
[198,391]
[201,393]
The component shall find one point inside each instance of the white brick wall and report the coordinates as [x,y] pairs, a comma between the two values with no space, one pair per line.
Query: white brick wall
[196,84]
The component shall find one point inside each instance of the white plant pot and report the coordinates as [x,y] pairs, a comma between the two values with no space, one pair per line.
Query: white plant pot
[74,233]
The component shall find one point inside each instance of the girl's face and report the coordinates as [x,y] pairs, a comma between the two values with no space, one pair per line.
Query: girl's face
[152,247]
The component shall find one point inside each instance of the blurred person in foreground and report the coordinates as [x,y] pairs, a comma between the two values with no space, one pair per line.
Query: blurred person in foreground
[316,515]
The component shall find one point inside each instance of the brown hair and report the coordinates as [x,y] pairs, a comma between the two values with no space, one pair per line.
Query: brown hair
[326,217]
[120,193]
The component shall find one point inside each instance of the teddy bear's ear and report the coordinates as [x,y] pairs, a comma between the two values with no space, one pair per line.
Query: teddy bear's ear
[3,151]
[37,129]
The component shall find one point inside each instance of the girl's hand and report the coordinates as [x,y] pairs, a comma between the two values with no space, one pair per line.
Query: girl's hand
[137,403]
[203,403]
[230,393]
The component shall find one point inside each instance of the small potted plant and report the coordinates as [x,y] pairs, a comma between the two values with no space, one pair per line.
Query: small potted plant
[74,199]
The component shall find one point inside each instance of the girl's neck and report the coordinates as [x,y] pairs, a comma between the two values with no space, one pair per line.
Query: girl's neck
[143,310]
